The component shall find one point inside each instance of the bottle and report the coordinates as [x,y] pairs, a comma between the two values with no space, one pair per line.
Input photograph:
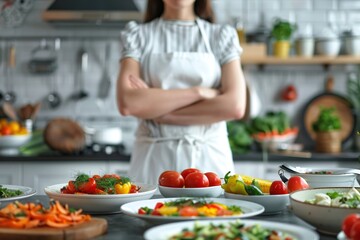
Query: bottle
[240,29]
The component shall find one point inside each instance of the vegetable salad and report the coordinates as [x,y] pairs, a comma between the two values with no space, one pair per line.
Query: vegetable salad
[7,193]
[235,230]
[350,199]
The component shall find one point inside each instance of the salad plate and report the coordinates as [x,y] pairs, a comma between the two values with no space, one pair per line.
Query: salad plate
[249,209]
[99,203]
[26,192]
[166,231]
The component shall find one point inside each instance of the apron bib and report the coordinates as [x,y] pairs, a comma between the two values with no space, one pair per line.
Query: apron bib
[160,147]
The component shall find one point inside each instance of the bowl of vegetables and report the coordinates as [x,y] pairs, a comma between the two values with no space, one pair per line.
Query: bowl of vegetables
[100,194]
[190,182]
[325,208]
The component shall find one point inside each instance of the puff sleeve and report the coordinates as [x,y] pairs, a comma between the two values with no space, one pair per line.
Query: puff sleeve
[130,41]
[228,45]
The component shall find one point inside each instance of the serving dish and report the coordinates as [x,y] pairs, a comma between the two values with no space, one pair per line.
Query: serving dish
[326,219]
[214,191]
[27,192]
[273,204]
[249,209]
[99,204]
[165,231]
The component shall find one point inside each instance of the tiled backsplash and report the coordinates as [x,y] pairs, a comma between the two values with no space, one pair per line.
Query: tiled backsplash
[309,80]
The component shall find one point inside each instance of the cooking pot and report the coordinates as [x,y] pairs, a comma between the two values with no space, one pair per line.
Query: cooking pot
[104,136]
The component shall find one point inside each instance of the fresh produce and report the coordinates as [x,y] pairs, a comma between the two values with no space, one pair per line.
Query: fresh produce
[348,225]
[240,139]
[327,120]
[297,183]
[36,145]
[6,193]
[191,208]
[278,187]
[9,128]
[289,93]
[106,184]
[32,215]
[189,178]
[245,185]
[230,231]
[273,124]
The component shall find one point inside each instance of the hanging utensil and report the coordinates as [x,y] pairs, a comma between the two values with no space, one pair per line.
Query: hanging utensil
[83,59]
[10,111]
[10,95]
[105,82]
[43,59]
[53,98]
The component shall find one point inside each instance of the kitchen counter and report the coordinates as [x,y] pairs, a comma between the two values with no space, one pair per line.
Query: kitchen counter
[121,226]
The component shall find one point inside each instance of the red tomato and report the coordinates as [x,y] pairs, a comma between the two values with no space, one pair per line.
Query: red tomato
[88,187]
[71,187]
[187,171]
[6,130]
[348,222]
[188,211]
[278,187]
[171,179]
[214,179]
[297,183]
[196,180]
[355,230]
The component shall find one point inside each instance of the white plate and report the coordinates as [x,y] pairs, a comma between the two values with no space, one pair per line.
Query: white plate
[214,191]
[273,204]
[99,204]
[341,236]
[250,209]
[27,192]
[163,232]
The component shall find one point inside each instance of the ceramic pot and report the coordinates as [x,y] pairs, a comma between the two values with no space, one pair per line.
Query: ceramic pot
[281,49]
[352,45]
[304,47]
[328,142]
[328,46]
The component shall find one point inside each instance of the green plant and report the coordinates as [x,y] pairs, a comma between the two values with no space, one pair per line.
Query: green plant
[327,120]
[282,30]
[353,90]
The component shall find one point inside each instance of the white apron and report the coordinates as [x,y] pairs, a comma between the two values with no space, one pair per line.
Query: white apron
[160,147]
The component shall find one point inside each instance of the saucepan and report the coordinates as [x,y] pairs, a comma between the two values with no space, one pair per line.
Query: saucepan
[104,136]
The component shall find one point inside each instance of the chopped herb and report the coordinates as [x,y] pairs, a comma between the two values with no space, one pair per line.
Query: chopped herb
[6,193]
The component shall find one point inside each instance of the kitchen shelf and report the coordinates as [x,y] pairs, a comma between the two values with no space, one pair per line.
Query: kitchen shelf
[294,60]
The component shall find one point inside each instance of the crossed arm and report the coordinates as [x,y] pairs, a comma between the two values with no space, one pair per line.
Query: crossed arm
[191,106]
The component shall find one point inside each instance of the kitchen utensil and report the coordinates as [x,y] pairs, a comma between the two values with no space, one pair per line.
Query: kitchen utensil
[43,59]
[87,230]
[344,109]
[292,169]
[328,46]
[83,58]
[10,95]
[105,136]
[105,82]
[10,111]
[53,98]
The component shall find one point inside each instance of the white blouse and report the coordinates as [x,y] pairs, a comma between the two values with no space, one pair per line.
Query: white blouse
[178,36]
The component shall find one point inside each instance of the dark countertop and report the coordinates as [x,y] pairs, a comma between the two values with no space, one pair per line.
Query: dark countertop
[251,156]
[121,226]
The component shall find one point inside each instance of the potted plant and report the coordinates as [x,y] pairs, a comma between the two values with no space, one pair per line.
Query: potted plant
[327,128]
[281,32]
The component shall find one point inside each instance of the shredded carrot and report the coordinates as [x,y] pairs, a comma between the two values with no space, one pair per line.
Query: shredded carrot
[31,215]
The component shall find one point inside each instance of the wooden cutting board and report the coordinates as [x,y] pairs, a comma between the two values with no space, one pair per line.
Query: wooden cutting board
[95,227]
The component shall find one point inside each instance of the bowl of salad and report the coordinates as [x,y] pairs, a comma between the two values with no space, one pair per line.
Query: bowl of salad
[325,208]
[100,194]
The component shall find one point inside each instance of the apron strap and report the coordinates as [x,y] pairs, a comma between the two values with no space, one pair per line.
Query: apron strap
[204,35]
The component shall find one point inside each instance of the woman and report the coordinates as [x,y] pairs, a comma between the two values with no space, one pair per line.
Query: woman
[180,74]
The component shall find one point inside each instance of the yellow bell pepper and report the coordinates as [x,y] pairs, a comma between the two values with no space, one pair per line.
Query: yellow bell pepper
[122,188]
[166,211]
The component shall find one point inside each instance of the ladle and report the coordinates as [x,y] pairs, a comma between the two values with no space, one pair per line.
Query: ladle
[83,64]
[54,98]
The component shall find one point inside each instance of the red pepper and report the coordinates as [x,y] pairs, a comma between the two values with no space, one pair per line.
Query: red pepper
[289,93]
[159,205]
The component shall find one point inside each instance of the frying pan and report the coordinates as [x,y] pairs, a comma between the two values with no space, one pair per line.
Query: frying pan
[344,109]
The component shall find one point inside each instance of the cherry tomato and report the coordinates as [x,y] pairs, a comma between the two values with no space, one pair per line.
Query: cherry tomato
[278,187]
[214,179]
[297,183]
[188,211]
[88,187]
[6,130]
[187,171]
[196,180]
[171,179]
[355,230]
[348,222]
[71,187]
